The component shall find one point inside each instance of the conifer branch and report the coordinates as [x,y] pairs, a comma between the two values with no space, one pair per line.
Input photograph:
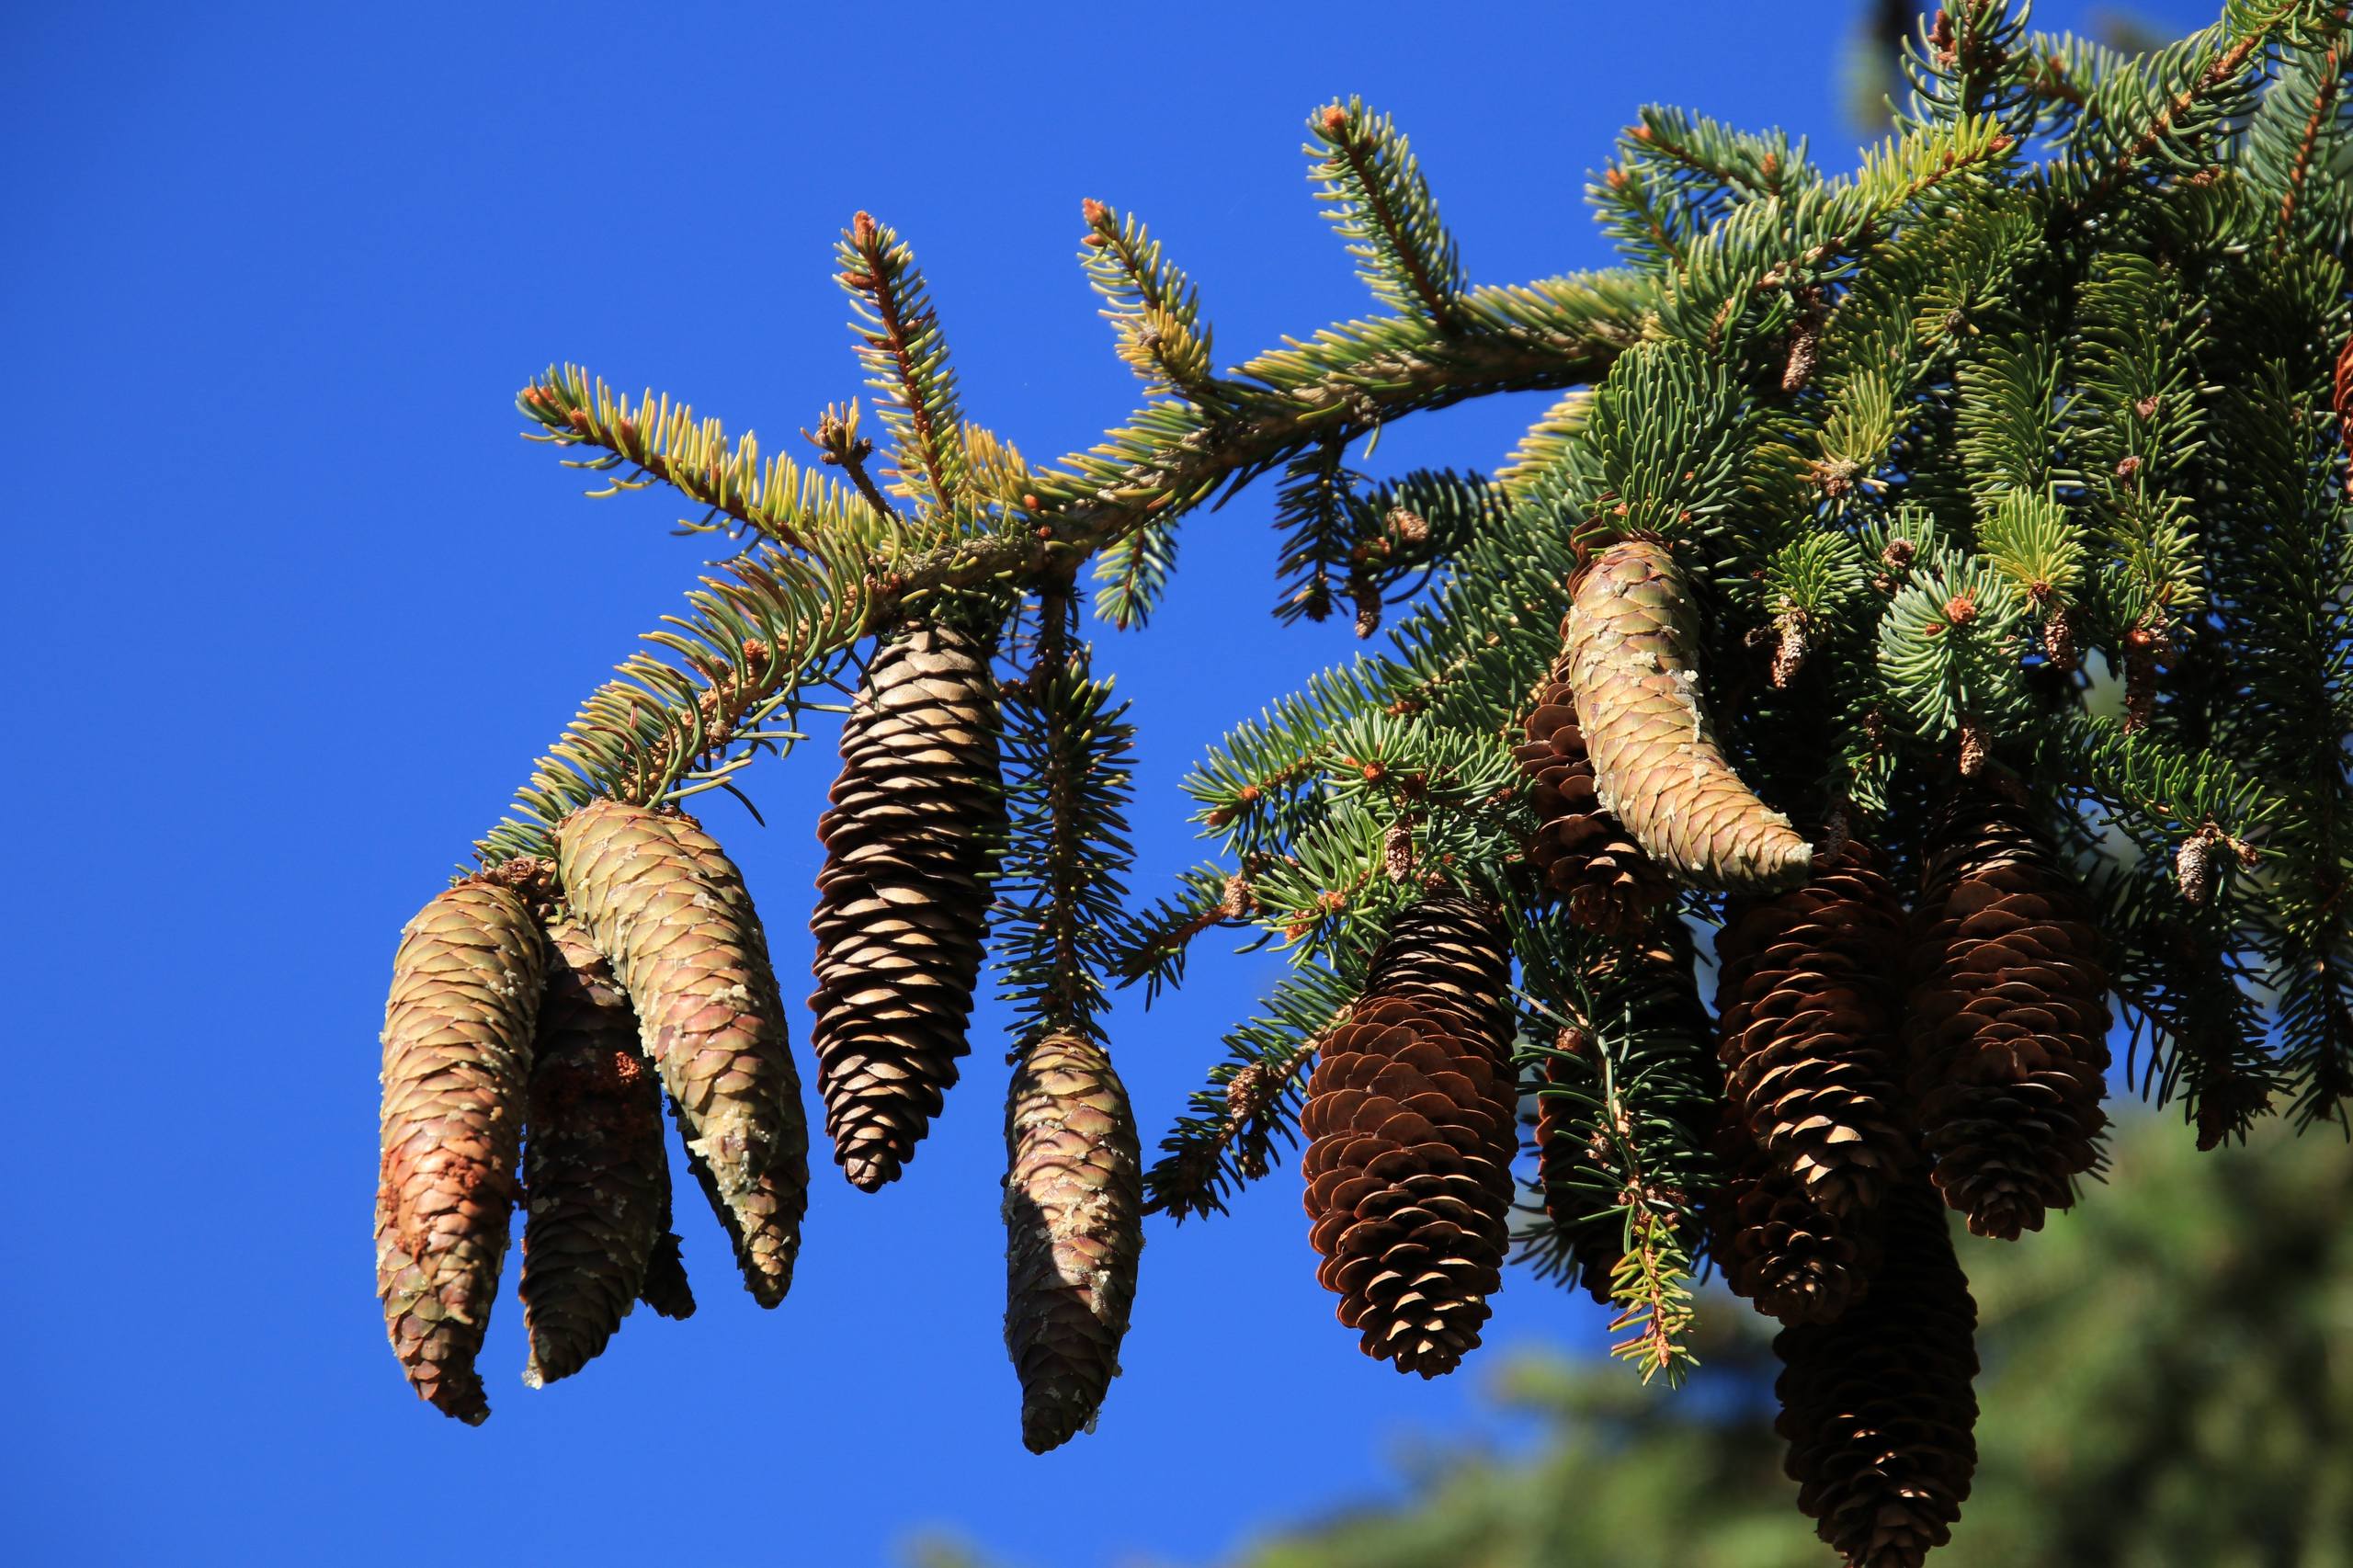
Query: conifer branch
[1382,207]
[906,359]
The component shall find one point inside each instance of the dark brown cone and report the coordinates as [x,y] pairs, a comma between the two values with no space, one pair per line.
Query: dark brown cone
[1877,1407]
[456,1039]
[1572,1173]
[1410,1122]
[901,904]
[1808,991]
[1778,1246]
[664,1287]
[1074,1221]
[2005,1031]
[595,1173]
[1586,857]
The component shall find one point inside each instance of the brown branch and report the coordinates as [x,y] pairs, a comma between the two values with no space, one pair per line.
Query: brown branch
[2322,104]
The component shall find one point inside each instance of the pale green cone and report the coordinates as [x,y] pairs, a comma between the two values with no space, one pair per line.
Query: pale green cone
[1633,658]
[668,910]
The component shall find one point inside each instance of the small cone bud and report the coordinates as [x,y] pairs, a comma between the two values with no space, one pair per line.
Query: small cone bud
[668,909]
[596,1177]
[456,1038]
[903,903]
[1411,1133]
[1631,659]
[1074,1218]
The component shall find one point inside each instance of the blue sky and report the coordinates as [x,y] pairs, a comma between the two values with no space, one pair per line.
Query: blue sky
[295,607]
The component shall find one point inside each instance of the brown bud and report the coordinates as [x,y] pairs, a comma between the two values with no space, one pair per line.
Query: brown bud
[1097,215]
[1960,610]
[862,230]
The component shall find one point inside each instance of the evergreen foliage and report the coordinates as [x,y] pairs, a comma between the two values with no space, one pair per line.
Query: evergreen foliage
[2011,464]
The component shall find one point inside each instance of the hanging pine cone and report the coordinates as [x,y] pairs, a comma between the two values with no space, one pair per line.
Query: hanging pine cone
[1074,1221]
[1631,657]
[1410,1122]
[1807,997]
[1876,1406]
[670,911]
[664,1287]
[1778,1246]
[595,1172]
[2005,1031]
[916,814]
[1573,1169]
[1584,856]
[456,1038]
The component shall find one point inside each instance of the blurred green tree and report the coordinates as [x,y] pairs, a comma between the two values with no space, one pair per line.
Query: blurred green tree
[2168,1383]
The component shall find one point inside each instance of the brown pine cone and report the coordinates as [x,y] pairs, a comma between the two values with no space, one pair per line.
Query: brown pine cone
[595,1172]
[1583,855]
[670,911]
[1410,1122]
[456,1039]
[1808,991]
[1778,1246]
[916,816]
[1576,1172]
[1074,1221]
[2006,1035]
[1877,1407]
[664,1287]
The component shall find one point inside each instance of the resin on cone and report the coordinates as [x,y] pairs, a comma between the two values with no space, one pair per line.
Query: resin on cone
[457,1023]
[595,1171]
[2005,1031]
[1632,643]
[1586,856]
[1411,1129]
[918,813]
[1074,1221]
[1876,1406]
[1809,990]
[670,911]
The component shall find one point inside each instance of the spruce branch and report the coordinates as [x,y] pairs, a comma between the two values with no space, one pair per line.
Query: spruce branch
[1381,206]
[907,359]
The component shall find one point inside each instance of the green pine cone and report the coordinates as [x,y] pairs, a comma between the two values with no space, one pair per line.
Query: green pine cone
[1633,650]
[1074,1221]
[456,1039]
[596,1177]
[668,909]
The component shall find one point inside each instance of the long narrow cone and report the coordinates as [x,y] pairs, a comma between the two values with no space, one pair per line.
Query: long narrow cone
[1876,1406]
[596,1176]
[2005,1028]
[902,900]
[1411,1133]
[670,911]
[1074,1221]
[1632,646]
[1809,990]
[456,1039]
